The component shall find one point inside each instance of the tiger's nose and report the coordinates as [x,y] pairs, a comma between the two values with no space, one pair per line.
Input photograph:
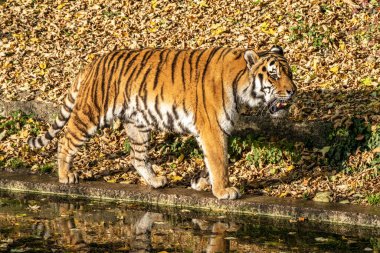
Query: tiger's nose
[290,92]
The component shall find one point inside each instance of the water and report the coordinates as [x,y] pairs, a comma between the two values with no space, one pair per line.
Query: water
[43,223]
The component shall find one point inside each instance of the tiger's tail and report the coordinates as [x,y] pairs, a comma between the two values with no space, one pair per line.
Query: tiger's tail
[60,121]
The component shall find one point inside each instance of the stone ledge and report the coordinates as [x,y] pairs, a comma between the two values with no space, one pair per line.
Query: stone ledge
[186,198]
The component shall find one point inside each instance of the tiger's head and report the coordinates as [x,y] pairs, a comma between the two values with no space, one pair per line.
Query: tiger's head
[270,80]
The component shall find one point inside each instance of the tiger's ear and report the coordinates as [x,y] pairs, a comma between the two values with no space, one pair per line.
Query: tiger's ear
[251,58]
[277,49]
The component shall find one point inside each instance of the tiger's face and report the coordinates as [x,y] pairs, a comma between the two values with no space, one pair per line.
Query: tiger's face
[271,80]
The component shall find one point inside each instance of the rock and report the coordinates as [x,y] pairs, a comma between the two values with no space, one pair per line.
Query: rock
[323,197]
[321,239]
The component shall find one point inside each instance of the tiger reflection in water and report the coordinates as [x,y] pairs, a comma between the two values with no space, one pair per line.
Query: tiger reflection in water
[85,232]
[216,240]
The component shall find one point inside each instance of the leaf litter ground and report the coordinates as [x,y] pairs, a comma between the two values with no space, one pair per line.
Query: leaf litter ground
[333,48]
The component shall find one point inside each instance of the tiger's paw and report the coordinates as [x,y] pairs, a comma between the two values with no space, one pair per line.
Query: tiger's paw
[158,181]
[70,178]
[227,193]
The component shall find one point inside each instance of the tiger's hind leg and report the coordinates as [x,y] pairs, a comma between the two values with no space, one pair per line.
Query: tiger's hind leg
[77,133]
[139,140]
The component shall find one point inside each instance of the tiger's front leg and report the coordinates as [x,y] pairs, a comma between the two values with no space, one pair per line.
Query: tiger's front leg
[139,140]
[214,145]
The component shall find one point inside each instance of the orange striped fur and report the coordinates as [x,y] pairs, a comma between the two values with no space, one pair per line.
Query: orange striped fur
[196,91]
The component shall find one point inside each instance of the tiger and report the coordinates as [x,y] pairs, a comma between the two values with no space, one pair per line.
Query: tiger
[185,91]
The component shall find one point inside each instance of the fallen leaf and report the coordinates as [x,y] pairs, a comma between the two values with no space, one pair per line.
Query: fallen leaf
[324,150]
[359,137]
[180,158]
[60,7]
[176,178]
[290,168]
[335,69]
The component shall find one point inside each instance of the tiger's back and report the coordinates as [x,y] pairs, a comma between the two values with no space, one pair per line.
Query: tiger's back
[195,91]
[164,88]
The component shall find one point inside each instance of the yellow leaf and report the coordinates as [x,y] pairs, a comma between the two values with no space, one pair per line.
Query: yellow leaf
[180,158]
[81,30]
[334,69]
[271,32]
[266,29]
[315,64]
[163,251]
[200,41]
[376,150]
[79,14]
[42,65]
[264,26]
[342,45]
[284,194]
[18,35]
[60,7]
[218,30]
[367,81]
[90,57]
[153,27]
[7,65]
[152,30]
[113,180]
[290,168]
[34,40]
[199,161]
[325,85]
[24,133]
[153,3]
[202,4]
[176,178]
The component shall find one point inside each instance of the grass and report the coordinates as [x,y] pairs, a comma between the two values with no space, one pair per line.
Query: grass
[15,163]
[16,121]
[256,150]
[347,140]
[46,168]
[374,199]
[127,146]
[261,152]
[178,145]
[313,33]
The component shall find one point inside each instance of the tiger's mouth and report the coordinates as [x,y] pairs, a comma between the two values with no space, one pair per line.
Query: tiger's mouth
[277,105]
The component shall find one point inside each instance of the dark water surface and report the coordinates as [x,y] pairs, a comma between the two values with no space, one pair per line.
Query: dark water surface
[45,223]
